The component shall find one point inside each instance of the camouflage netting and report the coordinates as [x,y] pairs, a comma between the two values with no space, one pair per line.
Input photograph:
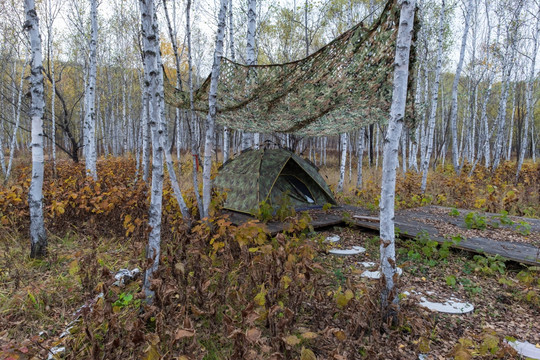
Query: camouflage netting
[342,87]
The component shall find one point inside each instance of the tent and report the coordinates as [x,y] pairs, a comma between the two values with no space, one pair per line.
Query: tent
[270,175]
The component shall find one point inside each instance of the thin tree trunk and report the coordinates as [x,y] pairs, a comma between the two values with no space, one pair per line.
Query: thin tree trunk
[211,118]
[453,107]
[359,179]
[38,236]
[507,70]
[192,121]
[343,161]
[528,97]
[90,112]
[390,160]
[226,141]
[16,126]
[248,138]
[154,89]
[434,102]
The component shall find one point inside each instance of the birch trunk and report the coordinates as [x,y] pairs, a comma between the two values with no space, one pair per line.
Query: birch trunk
[390,160]
[248,139]
[507,71]
[211,118]
[38,236]
[154,89]
[226,141]
[90,112]
[192,121]
[511,129]
[145,132]
[528,96]
[359,178]
[453,107]
[343,161]
[434,101]
[16,126]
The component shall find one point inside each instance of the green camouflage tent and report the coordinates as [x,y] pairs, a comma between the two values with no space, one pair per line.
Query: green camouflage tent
[270,175]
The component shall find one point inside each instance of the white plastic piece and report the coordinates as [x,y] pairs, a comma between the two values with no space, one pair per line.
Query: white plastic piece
[332,239]
[422,357]
[355,250]
[124,276]
[377,274]
[449,306]
[55,350]
[526,349]
[367,264]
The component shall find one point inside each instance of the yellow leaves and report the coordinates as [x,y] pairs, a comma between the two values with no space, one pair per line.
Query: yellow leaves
[342,299]
[340,335]
[423,345]
[73,267]
[260,298]
[292,340]
[307,354]
[285,281]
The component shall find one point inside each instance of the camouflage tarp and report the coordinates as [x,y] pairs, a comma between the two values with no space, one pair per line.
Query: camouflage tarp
[342,87]
[269,175]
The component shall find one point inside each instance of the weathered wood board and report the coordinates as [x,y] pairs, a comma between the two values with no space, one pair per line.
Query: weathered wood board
[412,222]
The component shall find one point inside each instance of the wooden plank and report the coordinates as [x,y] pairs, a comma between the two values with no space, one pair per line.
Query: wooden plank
[409,225]
[410,228]
[366,218]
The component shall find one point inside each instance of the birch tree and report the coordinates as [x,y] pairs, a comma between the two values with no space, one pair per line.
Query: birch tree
[434,101]
[508,64]
[90,111]
[38,236]
[453,107]
[248,139]
[343,161]
[226,140]
[211,118]
[390,159]
[528,96]
[191,123]
[154,89]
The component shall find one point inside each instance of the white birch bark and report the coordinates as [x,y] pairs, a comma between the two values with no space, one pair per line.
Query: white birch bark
[248,138]
[507,71]
[226,140]
[359,178]
[38,236]
[343,161]
[528,97]
[192,121]
[90,112]
[434,101]
[211,118]
[145,132]
[53,85]
[390,159]
[17,123]
[453,107]
[511,129]
[154,89]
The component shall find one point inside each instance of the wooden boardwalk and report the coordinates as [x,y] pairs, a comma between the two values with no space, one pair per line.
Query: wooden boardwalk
[434,221]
